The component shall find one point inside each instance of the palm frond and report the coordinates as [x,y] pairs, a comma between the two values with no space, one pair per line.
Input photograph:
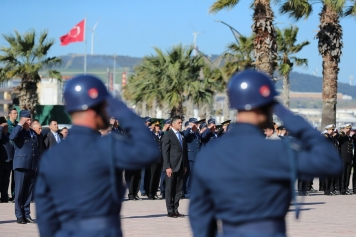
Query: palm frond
[223,4]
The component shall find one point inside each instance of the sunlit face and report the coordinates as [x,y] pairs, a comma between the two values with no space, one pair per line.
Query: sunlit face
[13,115]
[177,125]
[54,126]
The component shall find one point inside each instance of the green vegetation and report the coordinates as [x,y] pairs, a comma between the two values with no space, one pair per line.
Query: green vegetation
[24,57]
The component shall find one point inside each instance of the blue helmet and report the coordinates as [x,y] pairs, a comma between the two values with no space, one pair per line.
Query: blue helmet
[83,92]
[250,89]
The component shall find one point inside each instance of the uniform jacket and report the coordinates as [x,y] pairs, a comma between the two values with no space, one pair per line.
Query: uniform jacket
[158,139]
[193,143]
[230,170]
[26,148]
[207,136]
[6,147]
[50,140]
[173,153]
[346,147]
[75,179]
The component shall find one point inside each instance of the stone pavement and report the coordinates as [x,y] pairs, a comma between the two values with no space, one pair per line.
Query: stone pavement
[320,216]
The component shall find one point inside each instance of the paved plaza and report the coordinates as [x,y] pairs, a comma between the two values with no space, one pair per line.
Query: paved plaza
[320,216]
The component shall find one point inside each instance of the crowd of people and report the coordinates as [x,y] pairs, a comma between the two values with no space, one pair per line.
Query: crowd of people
[79,184]
[15,142]
[194,136]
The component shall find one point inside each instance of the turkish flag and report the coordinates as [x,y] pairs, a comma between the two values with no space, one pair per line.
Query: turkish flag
[76,34]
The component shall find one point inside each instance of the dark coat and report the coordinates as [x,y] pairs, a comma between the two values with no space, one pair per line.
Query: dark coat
[81,177]
[158,139]
[174,155]
[346,147]
[26,148]
[50,140]
[228,172]
[6,147]
[193,142]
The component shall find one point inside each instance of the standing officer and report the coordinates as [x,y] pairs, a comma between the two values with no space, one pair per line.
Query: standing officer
[24,165]
[162,184]
[244,161]
[156,168]
[193,139]
[79,188]
[329,182]
[145,178]
[209,133]
[6,155]
[346,150]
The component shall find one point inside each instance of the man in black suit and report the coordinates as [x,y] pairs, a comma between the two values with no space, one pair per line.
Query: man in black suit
[174,152]
[53,137]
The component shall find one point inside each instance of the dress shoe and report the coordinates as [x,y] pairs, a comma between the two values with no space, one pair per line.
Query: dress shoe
[155,196]
[179,215]
[137,198]
[20,221]
[30,220]
[151,197]
[172,215]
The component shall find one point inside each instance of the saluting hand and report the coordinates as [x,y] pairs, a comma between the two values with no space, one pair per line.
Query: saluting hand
[169,172]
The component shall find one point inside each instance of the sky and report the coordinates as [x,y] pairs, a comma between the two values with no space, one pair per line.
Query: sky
[133,28]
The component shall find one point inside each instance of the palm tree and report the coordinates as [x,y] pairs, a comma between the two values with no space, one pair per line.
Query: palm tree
[25,56]
[239,56]
[329,45]
[286,40]
[264,43]
[170,78]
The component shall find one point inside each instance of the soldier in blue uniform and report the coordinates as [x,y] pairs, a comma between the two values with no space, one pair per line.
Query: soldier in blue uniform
[79,188]
[24,166]
[193,139]
[228,172]
[209,133]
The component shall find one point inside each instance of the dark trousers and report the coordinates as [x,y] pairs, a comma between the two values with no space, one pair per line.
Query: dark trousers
[132,178]
[303,186]
[321,184]
[24,180]
[329,185]
[154,179]
[345,177]
[354,176]
[188,178]
[145,180]
[162,184]
[5,173]
[13,184]
[174,185]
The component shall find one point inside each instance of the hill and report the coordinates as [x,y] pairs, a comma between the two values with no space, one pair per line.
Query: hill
[99,63]
[308,83]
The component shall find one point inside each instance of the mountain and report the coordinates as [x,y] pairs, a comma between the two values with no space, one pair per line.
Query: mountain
[308,83]
[299,81]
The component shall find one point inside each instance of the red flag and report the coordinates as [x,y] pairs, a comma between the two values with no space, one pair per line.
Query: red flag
[76,34]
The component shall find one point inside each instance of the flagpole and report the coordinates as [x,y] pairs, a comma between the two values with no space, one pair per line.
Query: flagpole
[85,48]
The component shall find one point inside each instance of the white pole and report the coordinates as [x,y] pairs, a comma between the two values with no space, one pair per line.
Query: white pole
[114,76]
[92,42]
[85,49]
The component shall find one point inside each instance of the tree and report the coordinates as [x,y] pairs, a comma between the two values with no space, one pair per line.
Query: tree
[265,41]
[169,78]
[239,56]
[25,56]
[329,45]
[286,40]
